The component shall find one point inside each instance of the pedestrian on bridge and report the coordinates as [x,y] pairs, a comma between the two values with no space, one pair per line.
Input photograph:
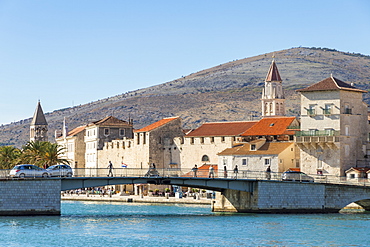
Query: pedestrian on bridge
[236,171]
[268,173]
[211,173]
[110,167]
[225,172]
[195,170]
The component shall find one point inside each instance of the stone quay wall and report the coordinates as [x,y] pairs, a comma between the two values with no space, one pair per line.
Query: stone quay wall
[30,197]
[291,197]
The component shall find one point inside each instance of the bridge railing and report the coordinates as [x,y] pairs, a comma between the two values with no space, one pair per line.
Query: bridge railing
[177,172]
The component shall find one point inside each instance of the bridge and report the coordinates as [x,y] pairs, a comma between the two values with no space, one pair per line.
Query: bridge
[246,192]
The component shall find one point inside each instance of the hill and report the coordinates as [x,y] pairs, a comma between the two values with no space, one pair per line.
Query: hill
[227,92]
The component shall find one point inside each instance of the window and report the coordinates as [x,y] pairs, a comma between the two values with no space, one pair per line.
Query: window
[144,138]
[121,132]
[253,147]
[244,162]
[312,132]
[346,150]
[346,128]
[138,138]
[311,111]
[222,139]
[192,140]
[106,132]
[205,158]
[347,109]
[267,162]
[213,139]
[327,109]
[329,131]
[202,140]
[319,162]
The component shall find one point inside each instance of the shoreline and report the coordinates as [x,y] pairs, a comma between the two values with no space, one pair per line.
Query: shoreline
[135,199]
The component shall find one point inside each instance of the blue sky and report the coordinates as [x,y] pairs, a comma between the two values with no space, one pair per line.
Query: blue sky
[68,53]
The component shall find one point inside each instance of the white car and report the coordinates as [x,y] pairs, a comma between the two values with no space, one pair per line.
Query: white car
[27,170]
[60,171]
[296,176]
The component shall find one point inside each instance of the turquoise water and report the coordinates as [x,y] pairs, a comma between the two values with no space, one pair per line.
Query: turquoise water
[118,224]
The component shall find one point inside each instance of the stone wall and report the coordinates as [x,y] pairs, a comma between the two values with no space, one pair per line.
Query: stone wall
[30,197]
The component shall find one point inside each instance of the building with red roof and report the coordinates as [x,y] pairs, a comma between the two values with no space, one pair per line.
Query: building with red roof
[334,128]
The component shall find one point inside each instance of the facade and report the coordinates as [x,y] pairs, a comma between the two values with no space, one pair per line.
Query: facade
[273,99]
[256,156]
[100,132]
[202,145]
[74,146]
[151,144]
[334,128]
[39,126]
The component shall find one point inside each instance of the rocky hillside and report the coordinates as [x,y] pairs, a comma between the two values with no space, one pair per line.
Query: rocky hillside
[227,92]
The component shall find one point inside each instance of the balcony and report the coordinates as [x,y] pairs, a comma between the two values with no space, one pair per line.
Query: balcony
[317,138]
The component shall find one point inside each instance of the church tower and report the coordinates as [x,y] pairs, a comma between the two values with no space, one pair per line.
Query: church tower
[39,126]
[273,99]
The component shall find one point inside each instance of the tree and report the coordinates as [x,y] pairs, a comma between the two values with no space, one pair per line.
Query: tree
[9,157]
[43,154]
[52,153]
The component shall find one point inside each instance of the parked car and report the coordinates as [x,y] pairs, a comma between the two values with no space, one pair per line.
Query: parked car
[27,170]
[296,176]
[60,171]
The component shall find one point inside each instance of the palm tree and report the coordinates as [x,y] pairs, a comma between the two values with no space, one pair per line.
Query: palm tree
[52,153]
[9,157]
[43,154]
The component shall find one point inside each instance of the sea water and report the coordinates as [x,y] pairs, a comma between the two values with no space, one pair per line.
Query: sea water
[131,224]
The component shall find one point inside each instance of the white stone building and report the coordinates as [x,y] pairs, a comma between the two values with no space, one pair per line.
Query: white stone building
[334,128]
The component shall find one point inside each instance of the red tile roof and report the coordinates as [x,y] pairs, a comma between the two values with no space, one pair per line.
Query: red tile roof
[157,124]
[77,130]
[110,121]
[271,126]
[330,84]
[359,169]
[221,129]
[269,148]
[273,74]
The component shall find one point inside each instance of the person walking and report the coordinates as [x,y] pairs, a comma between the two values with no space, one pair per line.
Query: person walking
[225,172]
[195,170]
[268,173]
[211,173]
[110,167]
[236,171]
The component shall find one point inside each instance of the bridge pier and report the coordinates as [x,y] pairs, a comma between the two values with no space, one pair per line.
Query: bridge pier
[30,197]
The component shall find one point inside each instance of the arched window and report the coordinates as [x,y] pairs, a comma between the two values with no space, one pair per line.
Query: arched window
[205,158]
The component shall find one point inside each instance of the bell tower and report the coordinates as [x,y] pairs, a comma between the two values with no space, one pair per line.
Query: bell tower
[39,126]
[273,99]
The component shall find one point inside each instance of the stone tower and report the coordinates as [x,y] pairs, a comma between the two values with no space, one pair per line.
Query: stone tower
[39,126]
[273,99]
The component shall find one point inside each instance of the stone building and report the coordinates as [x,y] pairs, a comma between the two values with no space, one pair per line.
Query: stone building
[334,128]
[202,145]
[255,157]
[100,132]
[74,146]
[39,126]
[151,144]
